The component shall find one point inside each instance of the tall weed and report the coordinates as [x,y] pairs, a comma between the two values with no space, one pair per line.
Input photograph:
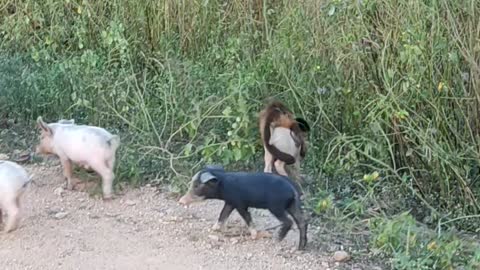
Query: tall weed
[388,86]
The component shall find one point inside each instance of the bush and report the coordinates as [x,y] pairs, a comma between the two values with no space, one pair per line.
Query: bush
[414,247]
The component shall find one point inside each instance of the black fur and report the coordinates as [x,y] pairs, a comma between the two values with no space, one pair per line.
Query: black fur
[303,124]
[243,190]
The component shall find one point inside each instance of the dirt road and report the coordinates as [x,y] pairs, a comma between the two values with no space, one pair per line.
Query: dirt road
[141,229]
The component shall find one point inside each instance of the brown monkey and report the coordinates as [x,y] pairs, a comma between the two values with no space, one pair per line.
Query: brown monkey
[283,138]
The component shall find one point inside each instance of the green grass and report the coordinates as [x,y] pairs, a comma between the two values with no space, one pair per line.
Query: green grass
[389,87]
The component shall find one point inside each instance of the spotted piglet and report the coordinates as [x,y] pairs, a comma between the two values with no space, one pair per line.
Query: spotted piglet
[13,183]
[87,146]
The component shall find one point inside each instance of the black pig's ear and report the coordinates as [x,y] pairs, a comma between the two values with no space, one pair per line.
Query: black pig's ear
[206,177]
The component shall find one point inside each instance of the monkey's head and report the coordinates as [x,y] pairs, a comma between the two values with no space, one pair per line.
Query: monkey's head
[303,124]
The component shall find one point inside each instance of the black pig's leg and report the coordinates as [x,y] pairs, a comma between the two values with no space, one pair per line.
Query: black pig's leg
[281,215]
[226,211]
[297,214]
[248,219]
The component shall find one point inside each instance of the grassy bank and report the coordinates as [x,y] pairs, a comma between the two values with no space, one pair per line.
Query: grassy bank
[390,89]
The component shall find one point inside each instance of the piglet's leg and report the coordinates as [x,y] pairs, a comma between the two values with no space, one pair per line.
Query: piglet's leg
[248,219]
[67,172]
[226,211]
[107,178]
[13,213]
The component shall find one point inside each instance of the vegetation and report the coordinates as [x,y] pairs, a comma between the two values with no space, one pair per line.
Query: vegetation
[390,89]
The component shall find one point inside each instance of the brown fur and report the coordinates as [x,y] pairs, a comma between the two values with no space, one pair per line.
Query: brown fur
[276,115]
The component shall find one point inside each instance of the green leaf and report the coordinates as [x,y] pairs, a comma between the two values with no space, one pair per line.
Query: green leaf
[331,11]
[237,152]
[390,73]
[227,111]
[188,149]
[35,56]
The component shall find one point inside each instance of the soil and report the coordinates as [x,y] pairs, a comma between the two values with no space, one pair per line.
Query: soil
[141,229]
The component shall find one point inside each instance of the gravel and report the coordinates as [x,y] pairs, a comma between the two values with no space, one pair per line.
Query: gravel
[140,229]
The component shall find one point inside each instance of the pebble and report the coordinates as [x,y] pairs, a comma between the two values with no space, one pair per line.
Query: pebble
[59,191]
[214,237]
[130,202]
[341,256]
[61,215]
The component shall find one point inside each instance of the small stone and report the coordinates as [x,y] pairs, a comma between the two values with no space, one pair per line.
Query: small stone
[111,214]
[234,241]
[59,191]
[341,256]
[61,215]
[174,219]
[130,202]
[214,237]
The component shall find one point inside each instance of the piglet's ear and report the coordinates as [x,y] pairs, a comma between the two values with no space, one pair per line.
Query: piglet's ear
[43,126]
[206,177]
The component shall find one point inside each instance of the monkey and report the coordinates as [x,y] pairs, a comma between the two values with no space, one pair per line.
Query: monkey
[283,138]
